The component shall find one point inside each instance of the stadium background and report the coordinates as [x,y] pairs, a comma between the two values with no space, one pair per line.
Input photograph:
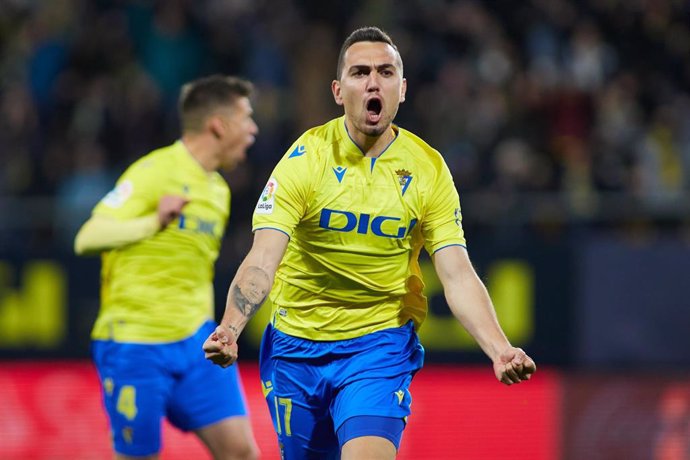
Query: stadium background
[566,125]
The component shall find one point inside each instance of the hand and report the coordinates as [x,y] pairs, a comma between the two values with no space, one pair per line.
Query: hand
[169,208]
[514,366]
[221,347]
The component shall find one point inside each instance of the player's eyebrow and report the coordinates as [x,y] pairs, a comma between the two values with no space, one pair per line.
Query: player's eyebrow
[367,68]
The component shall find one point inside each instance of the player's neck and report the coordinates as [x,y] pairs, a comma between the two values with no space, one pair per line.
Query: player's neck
[201,152]
[373,146]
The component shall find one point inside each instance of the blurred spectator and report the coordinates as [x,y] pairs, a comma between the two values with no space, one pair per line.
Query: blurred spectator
[660,174]
[19,121]
[79,192]
[170,44]
[578,99]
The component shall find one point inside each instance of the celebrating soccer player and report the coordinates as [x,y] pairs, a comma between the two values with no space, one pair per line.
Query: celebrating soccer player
[159,232]
[337,233]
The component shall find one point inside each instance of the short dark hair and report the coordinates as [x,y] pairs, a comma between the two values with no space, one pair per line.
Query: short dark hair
[364,34]
[203,97]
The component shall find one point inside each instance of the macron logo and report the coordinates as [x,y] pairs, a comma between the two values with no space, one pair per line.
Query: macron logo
[339,173]
[400,394]
[298,152]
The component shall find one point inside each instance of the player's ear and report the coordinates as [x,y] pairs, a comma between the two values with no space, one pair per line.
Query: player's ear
[215,126]
[335,88]
[403,90]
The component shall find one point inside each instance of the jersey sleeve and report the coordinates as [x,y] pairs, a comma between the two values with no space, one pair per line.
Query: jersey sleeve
[283,202]
[442,224]
[136,193]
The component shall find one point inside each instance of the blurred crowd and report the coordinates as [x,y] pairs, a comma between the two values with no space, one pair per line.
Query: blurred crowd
[578,99]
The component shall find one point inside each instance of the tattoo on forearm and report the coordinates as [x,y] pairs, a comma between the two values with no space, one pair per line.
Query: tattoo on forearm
[251,290]
[234,330]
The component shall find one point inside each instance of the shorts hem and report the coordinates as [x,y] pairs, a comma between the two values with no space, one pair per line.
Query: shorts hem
[394,438]
[364,413]
[209,421]
[384,434]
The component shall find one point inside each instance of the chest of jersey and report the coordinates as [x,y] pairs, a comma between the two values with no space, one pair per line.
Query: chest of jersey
[206,211]
[370,200]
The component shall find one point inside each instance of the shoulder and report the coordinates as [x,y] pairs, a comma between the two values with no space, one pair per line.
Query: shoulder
[313,145]
[159,159]
[425,156]
[220,183]
[151,171]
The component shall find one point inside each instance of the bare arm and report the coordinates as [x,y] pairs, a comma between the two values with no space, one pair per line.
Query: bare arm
[101,233]
[471,305]
[247,292]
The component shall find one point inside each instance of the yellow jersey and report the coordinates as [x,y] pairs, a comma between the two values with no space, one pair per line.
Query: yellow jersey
[356,226]
[160,289]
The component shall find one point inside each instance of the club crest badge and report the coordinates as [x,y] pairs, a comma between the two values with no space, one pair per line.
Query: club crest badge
[404,179]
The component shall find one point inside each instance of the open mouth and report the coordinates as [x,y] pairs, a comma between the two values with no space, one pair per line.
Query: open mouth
[374,107]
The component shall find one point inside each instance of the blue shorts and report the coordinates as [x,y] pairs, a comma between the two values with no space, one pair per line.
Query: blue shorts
[141,383]
[322,394]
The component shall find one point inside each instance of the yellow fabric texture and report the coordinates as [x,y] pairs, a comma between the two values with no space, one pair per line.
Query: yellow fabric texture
[160,289]
[356,227]
[101,233]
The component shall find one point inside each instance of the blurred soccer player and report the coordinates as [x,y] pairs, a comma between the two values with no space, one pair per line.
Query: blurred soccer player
[339,228]
[159,232]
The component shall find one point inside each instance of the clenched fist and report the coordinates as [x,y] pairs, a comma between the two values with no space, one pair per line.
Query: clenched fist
[221,347]
[514,366]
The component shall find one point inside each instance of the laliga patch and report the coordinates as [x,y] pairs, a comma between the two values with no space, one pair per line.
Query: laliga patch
[267,199]
[119,195]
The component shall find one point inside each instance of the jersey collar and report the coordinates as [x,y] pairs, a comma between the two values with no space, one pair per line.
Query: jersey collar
[352,147]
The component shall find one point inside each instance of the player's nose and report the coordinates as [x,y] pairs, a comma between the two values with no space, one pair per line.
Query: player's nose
[373,83]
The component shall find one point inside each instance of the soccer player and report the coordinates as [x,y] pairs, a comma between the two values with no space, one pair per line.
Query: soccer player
[159,232]
[338,231]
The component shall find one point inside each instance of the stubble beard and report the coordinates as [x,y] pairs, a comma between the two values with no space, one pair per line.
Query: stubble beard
[378,129]
[374,131]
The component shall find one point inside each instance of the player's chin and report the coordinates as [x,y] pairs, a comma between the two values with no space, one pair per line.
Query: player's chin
[232,163]
[374,130]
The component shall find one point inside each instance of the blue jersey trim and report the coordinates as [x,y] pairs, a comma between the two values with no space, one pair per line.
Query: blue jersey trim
[362,151]
[347,131]
[273,228]
[389,144]
[449,245]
